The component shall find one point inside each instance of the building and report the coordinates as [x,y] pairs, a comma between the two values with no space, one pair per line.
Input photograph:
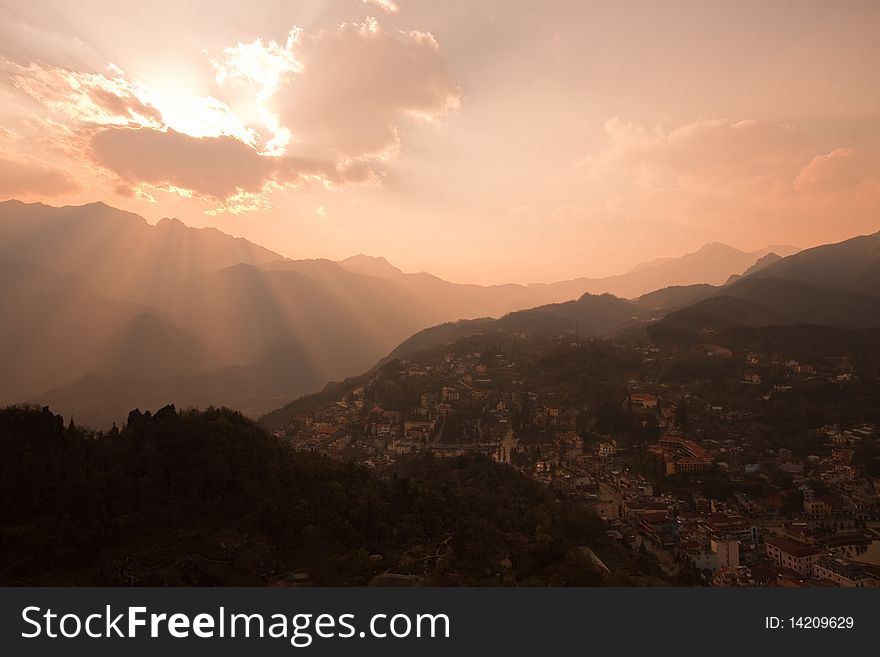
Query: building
[450,394]
[606,448]
[842,572]
[817,508]
[680,455]
[642,400]
[794,556]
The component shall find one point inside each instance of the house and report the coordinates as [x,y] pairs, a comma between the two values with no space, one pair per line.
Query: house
[449,394]
[680,455]
[794,556]
[843,572]
[606,448]
[642,400]
[817,508]
[799,532]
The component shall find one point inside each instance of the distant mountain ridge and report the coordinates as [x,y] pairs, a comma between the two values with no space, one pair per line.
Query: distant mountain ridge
[752,299]
[712,264]
[104,312]
[831,285]
[589,316]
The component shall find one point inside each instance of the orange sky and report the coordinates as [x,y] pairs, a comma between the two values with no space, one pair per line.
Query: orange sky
[485,141]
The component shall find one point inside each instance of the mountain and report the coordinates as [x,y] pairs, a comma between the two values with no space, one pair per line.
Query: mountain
[760,263]
[588,316]
[104,311]
[831,285]
[456,300]
[119,253]
[370,266]
[764,261]
[755,301]
[56,327]
[676,296]
[712,264]
[852,265]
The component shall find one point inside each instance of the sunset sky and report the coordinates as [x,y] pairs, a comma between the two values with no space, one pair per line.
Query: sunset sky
[484,141]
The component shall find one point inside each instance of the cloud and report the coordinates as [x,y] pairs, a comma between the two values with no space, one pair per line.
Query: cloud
[715,177]
[27,176]
[703,153]
[89,97]
[256,69]
[384,5]
[357,82]
[836,171]
[219,168]
[214,166]
[341,93]
[326,107]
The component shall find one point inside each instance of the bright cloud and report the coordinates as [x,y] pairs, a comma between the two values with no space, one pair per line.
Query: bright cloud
[258,68]
[839,170]
[384,5]
[88,97]
[357,83]
[325,107]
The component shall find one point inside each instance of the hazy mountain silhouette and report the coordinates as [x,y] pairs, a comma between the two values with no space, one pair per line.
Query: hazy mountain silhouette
[588,316]
[852,264]
[760,263]
[712,264]
[371,266]
[104,311]
[676,296]
[56,327]
[119,253]
[832,285]
[754,299]
[454,300]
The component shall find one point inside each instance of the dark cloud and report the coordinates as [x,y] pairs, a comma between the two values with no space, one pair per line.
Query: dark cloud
[217,167]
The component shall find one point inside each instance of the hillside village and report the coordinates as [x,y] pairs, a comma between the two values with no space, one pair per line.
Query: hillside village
[701,459]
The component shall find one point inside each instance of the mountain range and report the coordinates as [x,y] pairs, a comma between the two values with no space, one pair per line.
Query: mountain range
[104,311]
[835,285]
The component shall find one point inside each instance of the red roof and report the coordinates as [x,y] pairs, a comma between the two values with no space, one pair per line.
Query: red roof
[792,548]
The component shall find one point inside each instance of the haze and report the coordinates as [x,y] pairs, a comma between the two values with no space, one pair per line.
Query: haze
[485,141]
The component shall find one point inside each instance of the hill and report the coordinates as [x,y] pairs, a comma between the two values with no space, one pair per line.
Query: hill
[588,316]
[208,498]
[834,285]
[852,265]
[676,296]
[755,301]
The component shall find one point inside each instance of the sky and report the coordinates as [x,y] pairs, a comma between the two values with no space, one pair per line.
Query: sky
[488,141]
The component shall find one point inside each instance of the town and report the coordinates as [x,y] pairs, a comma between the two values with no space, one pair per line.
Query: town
[709,465]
